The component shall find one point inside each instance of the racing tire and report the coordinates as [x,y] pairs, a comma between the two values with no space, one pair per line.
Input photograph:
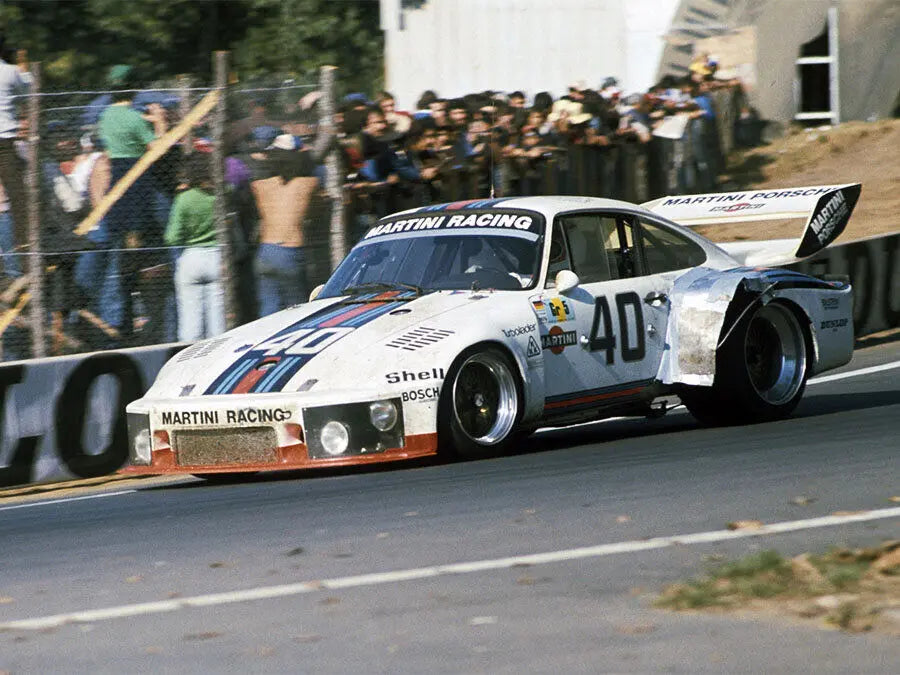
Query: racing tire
[761,370]
[480,405]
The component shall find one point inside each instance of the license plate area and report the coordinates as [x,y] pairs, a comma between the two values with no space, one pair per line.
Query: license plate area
[196,447]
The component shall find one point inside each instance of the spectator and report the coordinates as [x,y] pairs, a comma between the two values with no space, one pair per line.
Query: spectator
[286,202]
[397,122]
[200,293]
[126,135]
[13,80]
[636,124]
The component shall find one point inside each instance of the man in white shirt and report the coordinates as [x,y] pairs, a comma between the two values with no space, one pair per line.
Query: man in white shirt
[13,80]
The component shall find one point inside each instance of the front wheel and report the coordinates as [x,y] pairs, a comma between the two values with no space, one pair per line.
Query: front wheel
[480,405]
[760,370]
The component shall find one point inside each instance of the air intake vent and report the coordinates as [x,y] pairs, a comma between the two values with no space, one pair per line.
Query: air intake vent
[200,349]
[418,338]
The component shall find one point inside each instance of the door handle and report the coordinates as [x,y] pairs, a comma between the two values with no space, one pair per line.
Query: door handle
[654,297]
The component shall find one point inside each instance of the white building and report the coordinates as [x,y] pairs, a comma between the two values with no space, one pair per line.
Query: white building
[806,60]
[456,47]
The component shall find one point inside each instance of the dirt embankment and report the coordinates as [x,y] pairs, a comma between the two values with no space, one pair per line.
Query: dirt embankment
[853,152]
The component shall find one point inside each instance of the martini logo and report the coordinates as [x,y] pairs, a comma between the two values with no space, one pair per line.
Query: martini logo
[731,208]
[558,339]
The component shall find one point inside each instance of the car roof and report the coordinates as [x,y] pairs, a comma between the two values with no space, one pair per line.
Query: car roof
[548,205]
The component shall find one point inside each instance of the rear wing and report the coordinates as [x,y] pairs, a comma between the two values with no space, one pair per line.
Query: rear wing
[826,208]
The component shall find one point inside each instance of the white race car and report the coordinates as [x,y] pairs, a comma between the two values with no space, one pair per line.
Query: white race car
[456,328]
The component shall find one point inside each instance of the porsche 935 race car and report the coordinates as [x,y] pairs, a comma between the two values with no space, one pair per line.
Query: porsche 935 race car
[459,327]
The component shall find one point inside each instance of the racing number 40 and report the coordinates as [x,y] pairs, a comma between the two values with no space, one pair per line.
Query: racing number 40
[602,336]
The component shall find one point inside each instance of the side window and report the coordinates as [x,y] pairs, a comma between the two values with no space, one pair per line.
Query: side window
[587,236]
[559,255]
[666,250]
[619,241]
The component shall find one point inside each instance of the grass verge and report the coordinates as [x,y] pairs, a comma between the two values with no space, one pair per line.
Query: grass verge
[851,589]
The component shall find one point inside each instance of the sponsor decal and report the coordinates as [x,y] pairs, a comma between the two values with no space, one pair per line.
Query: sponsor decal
[835,210]
[426,394]
[742,197]
[732,208]
[830,303]
[834,323]
[533,349]
[558,339]
[540,309]
[519,330]
[560,310]
[505,220]
[216,417]
[397,377]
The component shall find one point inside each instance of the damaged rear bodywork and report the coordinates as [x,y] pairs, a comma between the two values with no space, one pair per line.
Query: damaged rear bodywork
[707,303]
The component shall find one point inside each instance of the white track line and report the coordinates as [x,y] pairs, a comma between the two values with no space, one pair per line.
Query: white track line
[66,499]
[855,373]
[265,592]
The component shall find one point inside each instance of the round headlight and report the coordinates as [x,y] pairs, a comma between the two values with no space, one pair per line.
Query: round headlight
[383,415]
[335,438]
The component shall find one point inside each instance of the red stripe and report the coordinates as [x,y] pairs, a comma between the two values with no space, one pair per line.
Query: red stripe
[254,376]
[593,397]
[356,311]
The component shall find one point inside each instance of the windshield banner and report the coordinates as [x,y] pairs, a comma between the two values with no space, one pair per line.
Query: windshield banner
[503,220]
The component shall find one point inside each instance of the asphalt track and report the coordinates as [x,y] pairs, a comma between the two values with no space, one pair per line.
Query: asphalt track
[432,567]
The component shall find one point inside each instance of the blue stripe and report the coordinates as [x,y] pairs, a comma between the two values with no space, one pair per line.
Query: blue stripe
[285,375]
[235,376]
[265,384]
[365,317]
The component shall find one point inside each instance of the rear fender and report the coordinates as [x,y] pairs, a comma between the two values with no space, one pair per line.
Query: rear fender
[700,306]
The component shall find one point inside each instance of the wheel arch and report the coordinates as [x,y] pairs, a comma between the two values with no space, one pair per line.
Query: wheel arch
[530,387]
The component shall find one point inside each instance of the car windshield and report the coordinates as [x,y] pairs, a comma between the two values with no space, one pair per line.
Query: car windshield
[439,252]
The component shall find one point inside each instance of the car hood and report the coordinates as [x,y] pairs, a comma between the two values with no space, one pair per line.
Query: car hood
[335,340]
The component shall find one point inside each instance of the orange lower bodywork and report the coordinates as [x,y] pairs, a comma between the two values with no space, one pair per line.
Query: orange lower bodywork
[290,458]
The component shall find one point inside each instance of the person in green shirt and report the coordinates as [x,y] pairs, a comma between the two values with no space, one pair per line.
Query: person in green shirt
[199,291]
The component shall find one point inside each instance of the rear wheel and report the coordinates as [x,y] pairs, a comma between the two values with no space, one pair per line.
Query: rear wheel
[760,370]
[480,405]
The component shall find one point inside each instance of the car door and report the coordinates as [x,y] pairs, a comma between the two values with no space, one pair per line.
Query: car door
[603,340]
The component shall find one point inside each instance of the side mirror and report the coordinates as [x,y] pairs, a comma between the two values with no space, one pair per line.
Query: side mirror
[566,280]
[315,292]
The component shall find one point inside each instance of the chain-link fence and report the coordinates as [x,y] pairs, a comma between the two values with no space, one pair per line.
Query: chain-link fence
[213,218]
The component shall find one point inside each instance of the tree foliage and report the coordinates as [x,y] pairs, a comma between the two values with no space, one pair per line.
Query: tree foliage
[78,40]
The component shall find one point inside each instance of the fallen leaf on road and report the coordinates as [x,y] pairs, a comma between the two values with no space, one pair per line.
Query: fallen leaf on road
[894,499]
[330,601]
[206,635]
[888,563]
[5,600]
[623,519]
[218,565]
[745,525]
[410,514]
[137,578]
[307,638]
[295,551]
[482,620]
[636,628]
[802,500]
[382,535]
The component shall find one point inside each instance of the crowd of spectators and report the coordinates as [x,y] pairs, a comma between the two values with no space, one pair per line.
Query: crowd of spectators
[151,271]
